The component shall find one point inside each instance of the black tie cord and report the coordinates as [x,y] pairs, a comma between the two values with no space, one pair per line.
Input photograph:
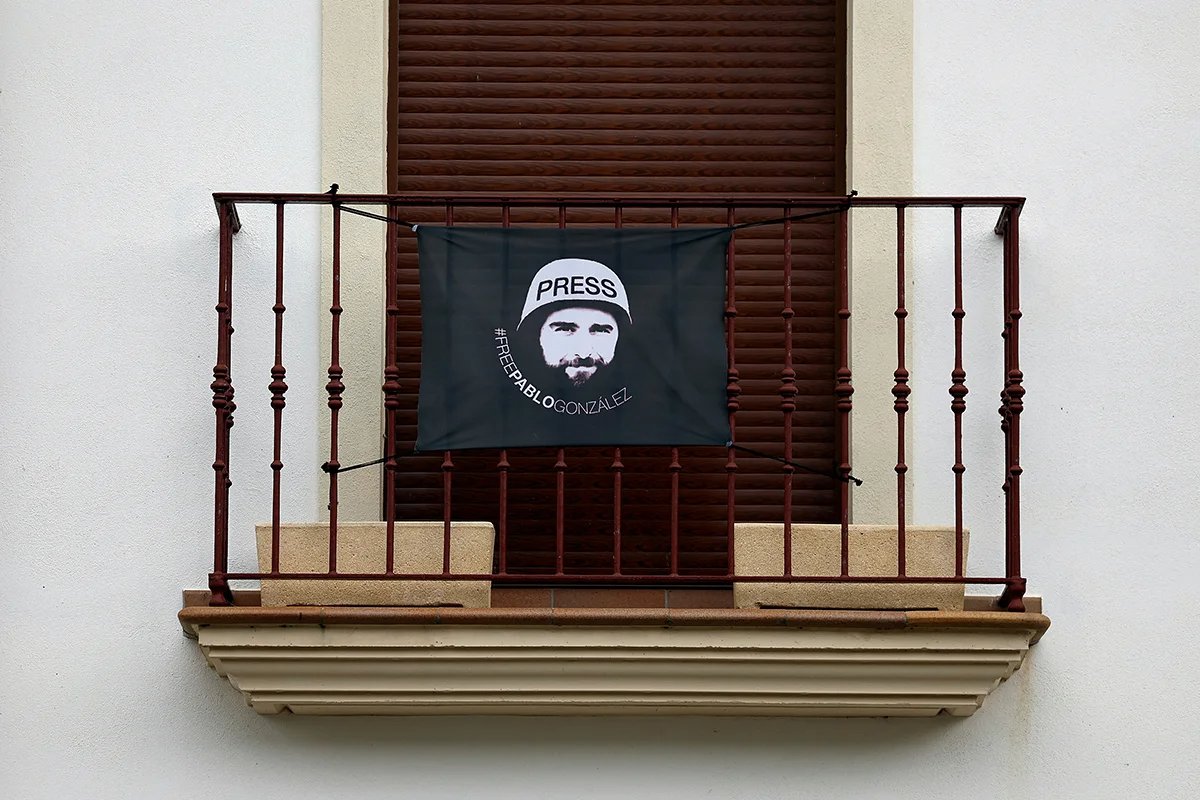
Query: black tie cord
[838,209]
[810,470]
[379,217]
[326,467]
[329,468]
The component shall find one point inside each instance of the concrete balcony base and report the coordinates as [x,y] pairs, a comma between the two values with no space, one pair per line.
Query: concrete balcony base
[612,661]
[872,551]
[362,547]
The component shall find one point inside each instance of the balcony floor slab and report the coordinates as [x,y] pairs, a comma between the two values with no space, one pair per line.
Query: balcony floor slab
[590,661]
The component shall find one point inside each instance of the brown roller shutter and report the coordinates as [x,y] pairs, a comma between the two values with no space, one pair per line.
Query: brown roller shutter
[625,98]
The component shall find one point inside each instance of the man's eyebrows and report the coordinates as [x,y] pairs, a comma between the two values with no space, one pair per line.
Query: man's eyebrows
[600,327]
[563,326]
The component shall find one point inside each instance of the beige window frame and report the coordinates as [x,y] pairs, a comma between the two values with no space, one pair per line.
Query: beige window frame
[354,85]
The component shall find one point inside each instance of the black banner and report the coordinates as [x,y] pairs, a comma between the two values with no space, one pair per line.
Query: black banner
[535,337]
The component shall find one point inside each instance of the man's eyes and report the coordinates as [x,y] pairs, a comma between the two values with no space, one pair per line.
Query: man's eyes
[571,327]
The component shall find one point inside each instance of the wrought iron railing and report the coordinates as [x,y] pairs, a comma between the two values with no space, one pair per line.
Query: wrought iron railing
[468,208]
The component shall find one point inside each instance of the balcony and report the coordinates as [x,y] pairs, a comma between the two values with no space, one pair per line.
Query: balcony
[744,579]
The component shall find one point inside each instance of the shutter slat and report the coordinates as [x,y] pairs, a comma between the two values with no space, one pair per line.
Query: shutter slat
[641,12]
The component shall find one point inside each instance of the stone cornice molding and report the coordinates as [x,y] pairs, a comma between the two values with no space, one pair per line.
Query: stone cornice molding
[329,660]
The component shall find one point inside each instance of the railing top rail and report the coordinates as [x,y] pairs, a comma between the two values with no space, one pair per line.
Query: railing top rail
[590,199]
[229,200]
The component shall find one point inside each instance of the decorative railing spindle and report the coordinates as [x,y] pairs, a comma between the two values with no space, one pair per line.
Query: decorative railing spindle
[222,389]
[560,473]
[335,387]
[787,392]
[733,390]
[447,509]
[503,465]
[844,389]
[447,467]
[391,387]
[1014,393]
[675,468]
[1005,416]
[958,393]
[900,393]
[230,405]
[278,387]
[560,479]
[617,466]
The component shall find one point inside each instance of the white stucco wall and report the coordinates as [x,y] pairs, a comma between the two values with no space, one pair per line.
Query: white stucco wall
[118,118]
[1090,110]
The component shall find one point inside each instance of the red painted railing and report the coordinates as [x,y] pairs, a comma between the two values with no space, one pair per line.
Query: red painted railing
[734,209]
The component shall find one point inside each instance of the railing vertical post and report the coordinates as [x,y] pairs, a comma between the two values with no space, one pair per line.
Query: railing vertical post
[335,387]
[618,467]
[503,465]
[733,390]
[560,474]
[1013,404]
[675,468]
[900,394]
[278,388]
[787,392]
[844,388]
[222,389]
[447,468]
[958,393]
[391,385]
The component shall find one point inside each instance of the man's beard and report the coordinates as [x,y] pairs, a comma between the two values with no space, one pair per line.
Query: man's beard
[580,369]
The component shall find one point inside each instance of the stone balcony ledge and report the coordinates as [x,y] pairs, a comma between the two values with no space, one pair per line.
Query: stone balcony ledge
[587,661]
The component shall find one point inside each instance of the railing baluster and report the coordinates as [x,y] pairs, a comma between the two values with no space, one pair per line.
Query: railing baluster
[787,393]
[732,390]
[230,405]
[1005,416]
[675,468]
[900,393]
[447,467]
[958,393]
[503,464]
[844,389]
[560,482]
[222,389]
[278,387]
[391,387]
[560,472]
[447,510]
[617,465]
[335,387]
[1014,591]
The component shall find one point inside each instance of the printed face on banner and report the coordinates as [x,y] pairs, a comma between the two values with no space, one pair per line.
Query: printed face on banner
[555,312]
[579,341]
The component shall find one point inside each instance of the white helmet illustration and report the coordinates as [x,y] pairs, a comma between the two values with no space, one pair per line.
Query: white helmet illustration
[575,279]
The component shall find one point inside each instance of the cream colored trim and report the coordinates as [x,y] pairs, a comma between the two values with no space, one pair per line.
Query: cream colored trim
[354,57]
[880,163]
[588,670]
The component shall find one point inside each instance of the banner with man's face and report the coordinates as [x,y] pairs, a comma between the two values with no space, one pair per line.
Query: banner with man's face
[536,337]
